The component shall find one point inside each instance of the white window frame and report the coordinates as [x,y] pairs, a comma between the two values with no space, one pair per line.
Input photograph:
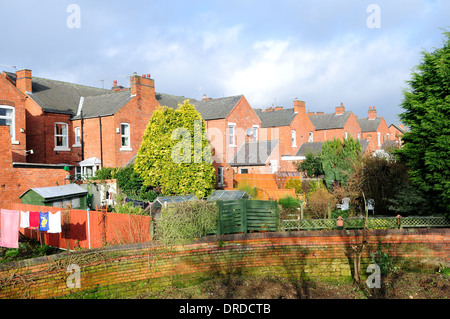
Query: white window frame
[128,136]
[379,138]
[220,176]
[65,146]
[255,132]
[294,138]
[12,127]
[77,132]
[345,135]
[311,137]
[246,169]
[359,135]
[232,135]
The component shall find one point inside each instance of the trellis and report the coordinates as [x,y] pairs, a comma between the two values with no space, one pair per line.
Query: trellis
[372,223]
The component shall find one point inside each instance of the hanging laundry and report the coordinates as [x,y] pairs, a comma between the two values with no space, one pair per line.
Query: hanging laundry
[9,228]
[24,219]
[34,220]
[43,221]
[54,223]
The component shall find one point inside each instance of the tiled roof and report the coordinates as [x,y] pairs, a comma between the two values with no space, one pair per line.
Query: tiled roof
[316,147]
[277,118]
[64,97]
[254,153]
[313,147]
[211,109]
[369,125]
[329,121]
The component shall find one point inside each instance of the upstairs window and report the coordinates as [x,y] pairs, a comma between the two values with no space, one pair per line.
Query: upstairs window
[311,137]
[294,138]
[125,136]
[231,134]
[7,118]
[61,137]
[77,136]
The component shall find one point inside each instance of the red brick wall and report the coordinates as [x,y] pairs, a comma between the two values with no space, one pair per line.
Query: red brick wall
[11,96]
[372,137]
[244,117]
[115,272]
[15,181]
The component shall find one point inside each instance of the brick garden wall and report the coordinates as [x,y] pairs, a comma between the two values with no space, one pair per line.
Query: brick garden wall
[123,271]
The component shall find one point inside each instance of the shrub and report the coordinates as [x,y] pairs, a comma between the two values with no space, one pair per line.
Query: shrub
[289,205]
[294,184]
[182,222]
[252,191]
[318,203]
[289,202]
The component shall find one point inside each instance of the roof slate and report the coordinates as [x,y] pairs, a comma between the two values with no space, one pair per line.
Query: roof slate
[369,125]
[61,97]
[254,153]
[313,147]
[277,118]
[329,121]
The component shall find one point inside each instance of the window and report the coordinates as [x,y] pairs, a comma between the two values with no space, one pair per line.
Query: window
[7,118]
[379,138]
[231,134]
[294,138]
[244,170]
[311,137]
[61,137]
[220,176]
[359,136]
[255,132]
[77,136]
[345,135]
[125,136]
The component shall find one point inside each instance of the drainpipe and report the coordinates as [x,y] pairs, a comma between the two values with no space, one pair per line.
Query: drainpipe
[101,142]
[82,139]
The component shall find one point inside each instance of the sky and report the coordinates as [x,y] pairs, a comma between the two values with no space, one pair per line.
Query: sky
[324,52]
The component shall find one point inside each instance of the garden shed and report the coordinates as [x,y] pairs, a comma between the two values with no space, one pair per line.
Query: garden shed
[71,195]
[228,195]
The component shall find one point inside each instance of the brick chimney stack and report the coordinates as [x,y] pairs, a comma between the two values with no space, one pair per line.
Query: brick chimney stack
[23,80]
[372,113]
[340,109]
[142,85]
[205,98]
[299,106]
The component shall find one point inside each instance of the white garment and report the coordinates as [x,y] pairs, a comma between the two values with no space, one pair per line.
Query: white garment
[24,219]
[54,222]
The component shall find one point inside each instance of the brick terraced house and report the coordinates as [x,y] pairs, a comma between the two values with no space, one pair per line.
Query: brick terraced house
[55,125]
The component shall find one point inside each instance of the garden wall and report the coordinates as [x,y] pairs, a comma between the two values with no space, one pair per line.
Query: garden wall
[126,271]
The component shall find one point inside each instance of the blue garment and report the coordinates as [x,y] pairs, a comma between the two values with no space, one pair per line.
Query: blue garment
[43,221]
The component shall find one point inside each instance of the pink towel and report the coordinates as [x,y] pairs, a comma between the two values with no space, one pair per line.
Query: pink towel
[9,229]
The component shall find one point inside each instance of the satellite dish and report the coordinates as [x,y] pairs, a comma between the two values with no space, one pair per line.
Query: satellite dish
[249,132]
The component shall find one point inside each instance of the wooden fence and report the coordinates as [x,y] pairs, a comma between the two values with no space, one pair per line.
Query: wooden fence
[89,229]
[242,216]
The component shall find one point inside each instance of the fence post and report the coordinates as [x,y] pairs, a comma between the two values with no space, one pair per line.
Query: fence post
[219,222]
[89,229]
[244,215]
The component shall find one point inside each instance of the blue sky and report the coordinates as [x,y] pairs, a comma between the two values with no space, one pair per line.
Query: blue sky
[322,52]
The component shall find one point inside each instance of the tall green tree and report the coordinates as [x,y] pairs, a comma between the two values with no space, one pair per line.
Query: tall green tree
[175,154]
[426,150]
[338,159]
